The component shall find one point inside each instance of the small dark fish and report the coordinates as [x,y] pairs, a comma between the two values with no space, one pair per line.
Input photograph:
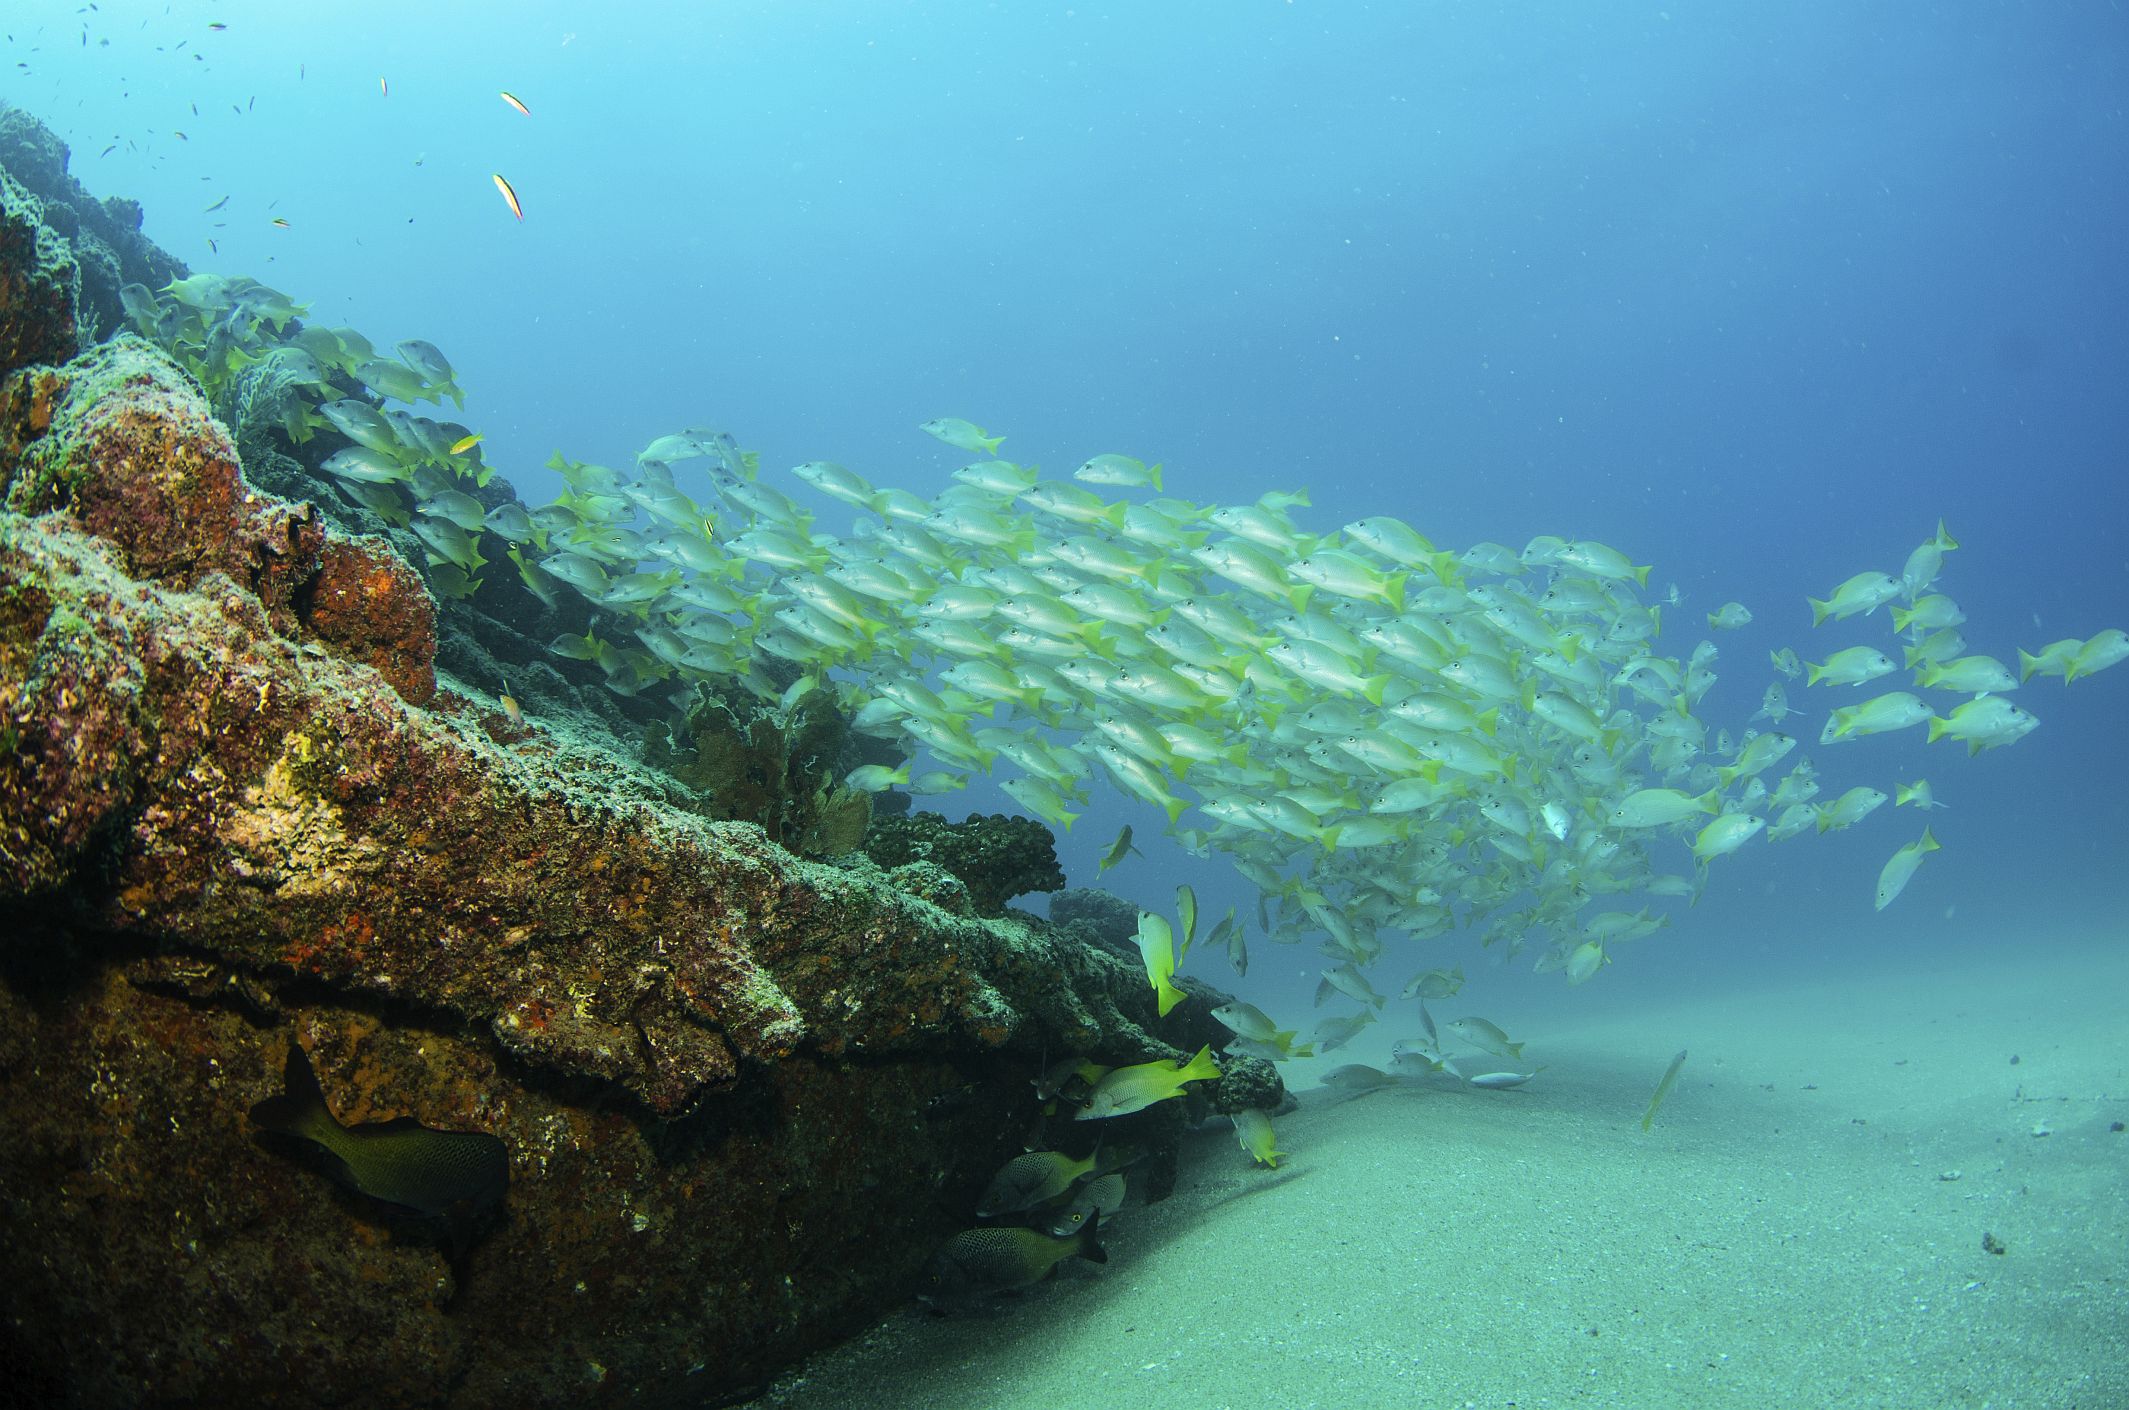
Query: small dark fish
[216,206]
[280,223]
[399,1162]
[108,150]
[211,245]
[996,1260]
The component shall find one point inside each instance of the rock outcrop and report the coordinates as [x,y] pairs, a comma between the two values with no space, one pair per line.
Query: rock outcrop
[744,1095]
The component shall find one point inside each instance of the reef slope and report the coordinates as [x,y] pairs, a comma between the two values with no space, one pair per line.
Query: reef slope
[744,1095]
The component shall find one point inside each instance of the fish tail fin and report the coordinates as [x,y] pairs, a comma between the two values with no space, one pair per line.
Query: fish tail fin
[1944,539]
[1200,1068]
[1088,1245]
[1813,673]
[1154,475]
[1937,726]
[1114,515]
[1489,720]
[1928,842]
[991,443]
[1901,616]
[1818,610]
[1640,572]
[1167,995]
[1174,807]
[1394,589]
[2027,664]
[1373,688]
[300,1109]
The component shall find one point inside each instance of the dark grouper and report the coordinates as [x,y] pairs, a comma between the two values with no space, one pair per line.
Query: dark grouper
[399,1162]
[987,1260]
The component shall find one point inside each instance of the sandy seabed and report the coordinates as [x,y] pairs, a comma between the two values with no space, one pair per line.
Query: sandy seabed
[1804,1226]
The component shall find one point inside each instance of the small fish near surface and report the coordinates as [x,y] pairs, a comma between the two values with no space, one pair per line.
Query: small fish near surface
[450,1177]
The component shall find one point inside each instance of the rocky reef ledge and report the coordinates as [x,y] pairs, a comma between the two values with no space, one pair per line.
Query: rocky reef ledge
[744,1096]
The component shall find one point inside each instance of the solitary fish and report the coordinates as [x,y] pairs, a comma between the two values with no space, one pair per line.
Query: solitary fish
[1135,1088]
[1730,616]
[509,196]
[1253,1131]
[961,435]
[512,100]
[1894,878]
[1032,1179]
[1663,1089]
[1096,1199]
[997,1260]
[1484,1036]
[1118,850]
[1498,1081]
[399,1162]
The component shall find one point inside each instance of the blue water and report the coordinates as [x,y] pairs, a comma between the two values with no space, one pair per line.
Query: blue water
[1756,294]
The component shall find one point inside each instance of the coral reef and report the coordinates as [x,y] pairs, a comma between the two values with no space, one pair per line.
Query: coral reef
[744,1095]
[102,238]
[770,763]
[248,796]
[39,283]
[1104,919]
[996,858]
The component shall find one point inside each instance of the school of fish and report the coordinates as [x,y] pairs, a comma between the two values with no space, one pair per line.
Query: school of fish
[1387,737]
